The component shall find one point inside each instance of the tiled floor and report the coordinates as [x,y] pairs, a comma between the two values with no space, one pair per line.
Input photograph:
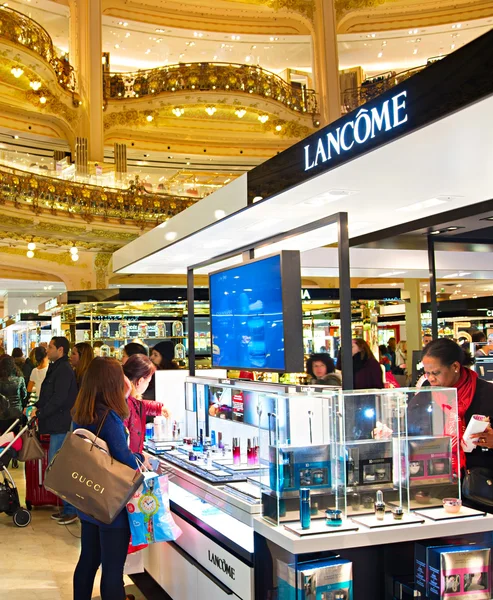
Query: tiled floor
[37,562]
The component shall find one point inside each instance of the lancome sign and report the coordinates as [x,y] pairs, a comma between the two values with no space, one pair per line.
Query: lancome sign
[366,125]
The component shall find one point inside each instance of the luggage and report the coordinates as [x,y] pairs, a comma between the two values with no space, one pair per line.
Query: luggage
[36,495]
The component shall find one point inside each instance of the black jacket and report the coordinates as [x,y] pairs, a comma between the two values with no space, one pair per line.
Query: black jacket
[482,404]
[57,397]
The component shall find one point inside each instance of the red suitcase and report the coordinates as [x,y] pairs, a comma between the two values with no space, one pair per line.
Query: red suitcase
[36,495]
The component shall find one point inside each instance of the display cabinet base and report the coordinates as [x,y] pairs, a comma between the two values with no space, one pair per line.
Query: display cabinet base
[439,513]
[318,527]
[372,522]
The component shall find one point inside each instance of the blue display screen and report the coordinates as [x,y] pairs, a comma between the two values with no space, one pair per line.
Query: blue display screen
[247,316]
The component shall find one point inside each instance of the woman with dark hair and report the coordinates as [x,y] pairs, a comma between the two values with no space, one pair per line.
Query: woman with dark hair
[80,358]
[24,364]
[321,370]
[367,372]
[12,385]
[38,374]
[131,349]
[445,365]
[103,393]
[162,356]
[139,371]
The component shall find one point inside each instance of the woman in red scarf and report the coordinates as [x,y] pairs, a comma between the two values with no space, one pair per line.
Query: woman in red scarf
[444,365]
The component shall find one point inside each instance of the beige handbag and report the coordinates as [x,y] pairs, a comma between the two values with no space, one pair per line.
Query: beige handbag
[84,474]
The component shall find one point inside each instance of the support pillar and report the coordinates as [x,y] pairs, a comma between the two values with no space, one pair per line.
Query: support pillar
[326,61]
[86,56]
[413,320]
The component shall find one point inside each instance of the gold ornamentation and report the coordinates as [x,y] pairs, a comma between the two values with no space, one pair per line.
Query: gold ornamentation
[53,106]
[133,204]
[63,258]
[304,7]
[344,6]
[237,78]
[23,31]
[101,262]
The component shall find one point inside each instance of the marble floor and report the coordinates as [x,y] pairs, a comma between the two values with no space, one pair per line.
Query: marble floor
[38,561]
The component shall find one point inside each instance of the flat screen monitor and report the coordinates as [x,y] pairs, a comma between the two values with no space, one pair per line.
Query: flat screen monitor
[256,315]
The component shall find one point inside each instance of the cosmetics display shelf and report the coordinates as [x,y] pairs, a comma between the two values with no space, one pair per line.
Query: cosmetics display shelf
[214,472]
[365,537]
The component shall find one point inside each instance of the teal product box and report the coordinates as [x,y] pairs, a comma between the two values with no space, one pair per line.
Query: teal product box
[330,579]
[286,580]
[459,573]
[292,467]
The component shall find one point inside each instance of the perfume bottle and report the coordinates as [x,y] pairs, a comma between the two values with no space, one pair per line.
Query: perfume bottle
[180,352]
[104,329]
[379,506]
[105,350]
[236,451]
[177,329]
[123,330]
[160,329]
[250,452]
[305,516]
[257,450]
[143,330]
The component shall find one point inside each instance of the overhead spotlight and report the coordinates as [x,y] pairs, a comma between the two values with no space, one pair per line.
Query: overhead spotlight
[263,118]
[178,111]
[150,118]
[210,110]
[43,100]
[17,72]
[35,85]
[240,113]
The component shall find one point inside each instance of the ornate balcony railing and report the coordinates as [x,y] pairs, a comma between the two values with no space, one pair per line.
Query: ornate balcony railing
[20,29]
[374,86]
[47,194]
[210,77]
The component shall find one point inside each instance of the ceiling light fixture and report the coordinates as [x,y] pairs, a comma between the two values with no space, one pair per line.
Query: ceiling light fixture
[149,118]
[35,85]
[178,111]
[17,72]
[219,214]
[30,254]
[74,257]
[43,100]
[263,118]
[74,250]
[170,236]
[31,246]
[210,110]
[240,113]
[278,127]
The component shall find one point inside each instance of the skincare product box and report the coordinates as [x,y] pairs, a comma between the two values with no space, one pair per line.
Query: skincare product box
[286,580]
[429,460]
[329,579]
[369,463]
[460,573]
[292,467]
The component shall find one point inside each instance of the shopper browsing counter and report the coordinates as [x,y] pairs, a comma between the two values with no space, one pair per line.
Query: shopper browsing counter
[320,369]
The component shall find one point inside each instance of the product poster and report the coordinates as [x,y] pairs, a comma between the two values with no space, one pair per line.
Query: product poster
[238,404]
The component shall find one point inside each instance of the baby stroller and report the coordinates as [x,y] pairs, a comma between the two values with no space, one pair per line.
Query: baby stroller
[9,495]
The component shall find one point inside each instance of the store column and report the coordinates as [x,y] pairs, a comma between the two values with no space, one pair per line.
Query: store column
[86,57]
[326,61]
[411,294]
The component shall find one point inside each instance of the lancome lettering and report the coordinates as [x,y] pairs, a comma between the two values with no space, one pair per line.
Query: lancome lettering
[221,564]
[365,126]
[89,482]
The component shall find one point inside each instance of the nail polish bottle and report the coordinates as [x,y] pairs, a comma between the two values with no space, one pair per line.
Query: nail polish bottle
[250,452]
[305,516]
[236,451]
[379,506]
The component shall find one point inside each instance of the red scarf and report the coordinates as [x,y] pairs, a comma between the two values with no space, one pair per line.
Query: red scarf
[466,388]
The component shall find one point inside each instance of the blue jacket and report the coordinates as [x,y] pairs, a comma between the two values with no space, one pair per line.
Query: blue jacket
[115,436]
